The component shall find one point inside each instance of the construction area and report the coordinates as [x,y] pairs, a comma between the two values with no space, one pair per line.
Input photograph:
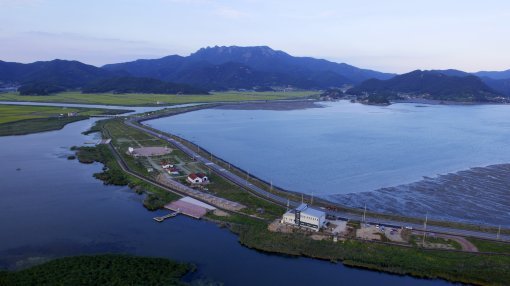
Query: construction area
[149,151]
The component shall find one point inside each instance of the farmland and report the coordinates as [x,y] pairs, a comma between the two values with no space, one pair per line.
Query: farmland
[139,99]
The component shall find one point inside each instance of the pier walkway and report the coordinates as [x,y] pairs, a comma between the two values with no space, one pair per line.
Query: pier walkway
[162,218]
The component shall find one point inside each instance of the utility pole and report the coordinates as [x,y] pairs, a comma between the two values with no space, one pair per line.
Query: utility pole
[365,214]
[425,229]
[271,187]
[288,204]
[499,232]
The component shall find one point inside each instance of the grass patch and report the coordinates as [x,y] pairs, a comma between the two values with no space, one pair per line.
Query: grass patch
[100,270]
[453,266]
[417,240]
[141,99]
[490,246]
[255,205]
[24,119]
[112,174]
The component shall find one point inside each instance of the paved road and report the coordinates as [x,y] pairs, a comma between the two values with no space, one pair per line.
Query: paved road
[283,201]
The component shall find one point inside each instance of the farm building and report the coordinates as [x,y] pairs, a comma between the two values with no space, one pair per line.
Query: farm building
[305,216]
[197,178]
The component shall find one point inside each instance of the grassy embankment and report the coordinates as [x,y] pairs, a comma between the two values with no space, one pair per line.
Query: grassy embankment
[491,246]
[138,99]
[100,270]
[24,119]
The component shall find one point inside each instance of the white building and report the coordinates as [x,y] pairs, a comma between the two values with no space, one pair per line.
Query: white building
[305,216]
[197,178]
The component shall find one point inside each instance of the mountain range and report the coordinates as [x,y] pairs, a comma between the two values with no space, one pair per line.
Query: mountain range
[233,67]
[247,67]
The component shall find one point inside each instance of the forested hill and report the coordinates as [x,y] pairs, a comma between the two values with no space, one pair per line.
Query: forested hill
[429,85]
[43,78]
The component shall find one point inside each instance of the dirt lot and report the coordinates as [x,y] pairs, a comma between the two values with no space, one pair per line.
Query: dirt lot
[277,226]
[218,212]
[151,151]
[394,234]
[368,232]
[337,226]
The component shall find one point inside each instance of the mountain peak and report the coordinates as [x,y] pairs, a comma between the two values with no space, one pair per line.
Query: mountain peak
[237,52]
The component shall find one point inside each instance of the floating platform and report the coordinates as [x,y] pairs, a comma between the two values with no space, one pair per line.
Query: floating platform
[162,218]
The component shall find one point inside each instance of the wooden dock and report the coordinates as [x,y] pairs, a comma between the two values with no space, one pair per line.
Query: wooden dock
[162,218]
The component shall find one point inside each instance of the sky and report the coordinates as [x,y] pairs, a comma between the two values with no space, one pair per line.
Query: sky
[386,35]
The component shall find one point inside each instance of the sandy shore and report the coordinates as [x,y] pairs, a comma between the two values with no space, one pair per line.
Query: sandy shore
[272,105]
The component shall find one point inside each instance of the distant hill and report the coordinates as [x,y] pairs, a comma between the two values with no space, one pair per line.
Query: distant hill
[140,85]
[500,85]
[247,67]
[69,74]
[494,74]
[498,81]
[43,78]
[428,85]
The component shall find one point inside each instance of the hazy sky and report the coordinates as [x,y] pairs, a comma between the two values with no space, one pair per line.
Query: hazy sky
[386,35]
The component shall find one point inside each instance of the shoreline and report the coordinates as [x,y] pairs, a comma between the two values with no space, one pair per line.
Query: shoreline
[163,105]
[272,105]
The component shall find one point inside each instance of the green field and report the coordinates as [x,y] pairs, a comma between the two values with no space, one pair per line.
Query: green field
[11,113]
[25,119]
[100,270]
[137,99]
